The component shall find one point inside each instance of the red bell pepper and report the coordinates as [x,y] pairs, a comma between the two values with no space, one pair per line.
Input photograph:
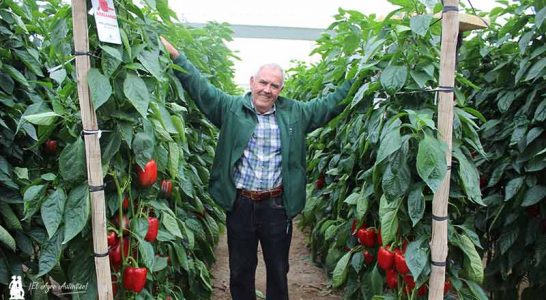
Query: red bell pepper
[148,175]
[392,279]
[447,286]
[115,252]
[112,239]
[367,237]
[50,147]
[125,203]
[385,258]
[368,257]
[379,238]
[153,227]
[134,278]
[422,291]
[410,283]
[400,262]
[166,188]
[320,182]
[114,285]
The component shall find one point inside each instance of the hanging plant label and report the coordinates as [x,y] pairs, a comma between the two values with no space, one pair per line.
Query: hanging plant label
[107,21]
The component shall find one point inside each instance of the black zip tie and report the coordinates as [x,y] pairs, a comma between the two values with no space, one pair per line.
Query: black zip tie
[96,188]
[448,168]
[101,254]
[444,89]
[79,53]
[439,219]
[450,8]
[439,263]
[90,132]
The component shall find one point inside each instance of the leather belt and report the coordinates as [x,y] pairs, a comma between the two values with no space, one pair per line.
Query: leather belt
[261,195]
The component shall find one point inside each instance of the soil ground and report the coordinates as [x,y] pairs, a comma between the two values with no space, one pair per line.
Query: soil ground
[305,280]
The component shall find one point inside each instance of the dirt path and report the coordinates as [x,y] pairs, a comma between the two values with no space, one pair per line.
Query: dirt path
[305,280]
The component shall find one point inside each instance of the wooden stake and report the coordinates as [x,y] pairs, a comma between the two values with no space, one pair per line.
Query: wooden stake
[92,151]
[438,252]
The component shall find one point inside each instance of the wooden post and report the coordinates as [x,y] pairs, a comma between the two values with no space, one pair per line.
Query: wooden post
[438,252]
[92,151]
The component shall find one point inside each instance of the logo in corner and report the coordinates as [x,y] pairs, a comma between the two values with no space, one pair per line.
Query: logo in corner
[16,290]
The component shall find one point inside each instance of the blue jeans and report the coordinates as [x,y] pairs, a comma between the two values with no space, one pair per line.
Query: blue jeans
[266,222]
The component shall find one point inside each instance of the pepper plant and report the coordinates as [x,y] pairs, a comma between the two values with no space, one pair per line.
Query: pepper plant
[508,63]
[381,159]
[145,116]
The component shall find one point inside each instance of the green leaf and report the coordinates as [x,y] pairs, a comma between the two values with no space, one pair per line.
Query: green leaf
[113,52]
[136,91]
[352,199]
[533,195]
[340,272]
[164,11]
[33,197]
[171,224]
[6,83]
[160,263]
[150,61]
[72,165]
[112,147]
[388,211]
[34,65]
[146,250]
[58,75]
[540,112]
[99,87]
[45,118]
[507,239]
[357,261]
[533,134]
[393,77]
[473,266]
[16,75]
[7,239]
[416,203]
[536,69]
[390,143]
[524,41]
[362,203]
[470,177]
[76,211]
[143,147]
[377,281]
[539,18]
[52,211]
[476,290]
[431,162]
[11,220]
[50,253]
[396,178]
[420,24]
[417,257]
[174,159]
[512,187]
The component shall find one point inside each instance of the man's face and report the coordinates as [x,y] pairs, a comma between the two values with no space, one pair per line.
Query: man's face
[266,86]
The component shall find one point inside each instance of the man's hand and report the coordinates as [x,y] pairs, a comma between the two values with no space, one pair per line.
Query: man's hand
[170,48]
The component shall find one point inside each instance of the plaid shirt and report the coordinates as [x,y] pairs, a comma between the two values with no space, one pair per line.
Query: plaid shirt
[260,166]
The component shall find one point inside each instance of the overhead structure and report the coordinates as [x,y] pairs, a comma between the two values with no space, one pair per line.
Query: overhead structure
[271,32]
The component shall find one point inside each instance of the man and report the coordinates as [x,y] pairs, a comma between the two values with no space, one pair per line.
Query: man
[258,173]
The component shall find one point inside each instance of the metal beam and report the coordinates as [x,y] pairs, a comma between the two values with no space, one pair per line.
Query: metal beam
[271,32]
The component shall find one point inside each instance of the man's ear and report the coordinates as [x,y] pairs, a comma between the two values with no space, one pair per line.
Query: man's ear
[251,81]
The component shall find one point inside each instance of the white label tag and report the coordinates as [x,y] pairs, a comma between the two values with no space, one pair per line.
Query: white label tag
[107,21]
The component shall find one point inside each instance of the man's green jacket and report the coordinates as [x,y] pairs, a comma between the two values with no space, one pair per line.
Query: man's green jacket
[236,119]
